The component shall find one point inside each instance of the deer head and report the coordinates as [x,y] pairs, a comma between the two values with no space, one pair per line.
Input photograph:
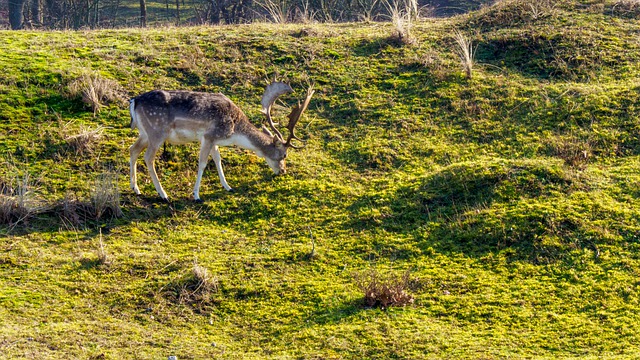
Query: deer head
[271,94]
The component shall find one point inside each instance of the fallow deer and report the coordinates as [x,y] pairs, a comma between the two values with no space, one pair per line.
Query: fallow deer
[180,117]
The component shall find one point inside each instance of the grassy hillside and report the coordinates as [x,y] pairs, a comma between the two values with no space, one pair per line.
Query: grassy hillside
[510,199]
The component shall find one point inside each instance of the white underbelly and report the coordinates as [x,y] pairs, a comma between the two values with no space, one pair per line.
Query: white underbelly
[183,136]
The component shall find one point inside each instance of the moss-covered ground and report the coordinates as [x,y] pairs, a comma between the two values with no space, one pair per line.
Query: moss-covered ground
[511,197]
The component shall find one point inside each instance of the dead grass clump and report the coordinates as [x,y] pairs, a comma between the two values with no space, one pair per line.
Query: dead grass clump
[101,252]
[105,196]
[104,203]
[19,201]
[575,152]
[402,15]
[466,52]
[99,258]
[195,289]
[73,211]
[83,142]
[384,291]
[278,11]
[96,91]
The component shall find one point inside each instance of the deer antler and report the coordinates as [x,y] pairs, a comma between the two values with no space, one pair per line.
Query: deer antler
[296,112]
[271,93]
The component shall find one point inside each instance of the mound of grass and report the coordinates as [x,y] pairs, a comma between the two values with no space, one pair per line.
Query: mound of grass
[195,289]
[503,14]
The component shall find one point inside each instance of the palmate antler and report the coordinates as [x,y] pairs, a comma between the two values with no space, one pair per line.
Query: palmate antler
[271,94]
[296,112]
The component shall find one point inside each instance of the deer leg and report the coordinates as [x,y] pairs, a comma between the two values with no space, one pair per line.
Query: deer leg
[218,160]
[149,159]
[135,151]
[205,149]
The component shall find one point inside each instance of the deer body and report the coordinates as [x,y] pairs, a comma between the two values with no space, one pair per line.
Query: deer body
[180,117]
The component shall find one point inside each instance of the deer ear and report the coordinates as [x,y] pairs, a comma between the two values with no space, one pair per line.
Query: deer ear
[278,143]
[266,131]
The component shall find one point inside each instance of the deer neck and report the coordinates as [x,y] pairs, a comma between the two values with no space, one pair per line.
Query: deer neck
[249,137]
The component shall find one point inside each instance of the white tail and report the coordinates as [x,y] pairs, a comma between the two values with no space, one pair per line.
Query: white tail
[180,117]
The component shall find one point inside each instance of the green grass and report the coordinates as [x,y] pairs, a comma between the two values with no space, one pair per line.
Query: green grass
[512,197]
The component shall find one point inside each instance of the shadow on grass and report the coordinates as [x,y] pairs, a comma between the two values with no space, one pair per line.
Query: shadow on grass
[340,312]
[481,208]
[220,206]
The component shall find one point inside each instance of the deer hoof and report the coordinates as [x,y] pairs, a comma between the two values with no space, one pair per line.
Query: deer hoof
[198,201]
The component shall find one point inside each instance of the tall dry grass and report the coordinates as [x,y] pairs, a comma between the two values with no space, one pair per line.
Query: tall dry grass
[96,91]
[466,52]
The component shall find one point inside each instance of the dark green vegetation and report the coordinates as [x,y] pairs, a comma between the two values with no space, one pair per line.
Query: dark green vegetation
[511,198]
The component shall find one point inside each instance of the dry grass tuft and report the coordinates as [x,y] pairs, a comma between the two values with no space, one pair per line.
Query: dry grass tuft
[101,252]
[98,258]
[105,196]
[74,211]
[19,201]
[465,52]
[384,291]
[83,142]
[575,152]
[104,202]
[96,91]
[195,289]
[402,17]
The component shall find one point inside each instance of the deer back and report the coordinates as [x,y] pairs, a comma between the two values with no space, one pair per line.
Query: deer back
[185,116]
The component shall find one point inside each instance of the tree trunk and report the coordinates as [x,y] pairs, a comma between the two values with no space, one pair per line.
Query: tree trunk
[16,13]
[143,13]
[215,12]
[51,13]
[35,12]
[177,12]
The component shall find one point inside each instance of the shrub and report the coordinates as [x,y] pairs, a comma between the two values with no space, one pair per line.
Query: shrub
[384,291]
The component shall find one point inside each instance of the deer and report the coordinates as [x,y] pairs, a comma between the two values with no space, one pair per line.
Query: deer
[213,120]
